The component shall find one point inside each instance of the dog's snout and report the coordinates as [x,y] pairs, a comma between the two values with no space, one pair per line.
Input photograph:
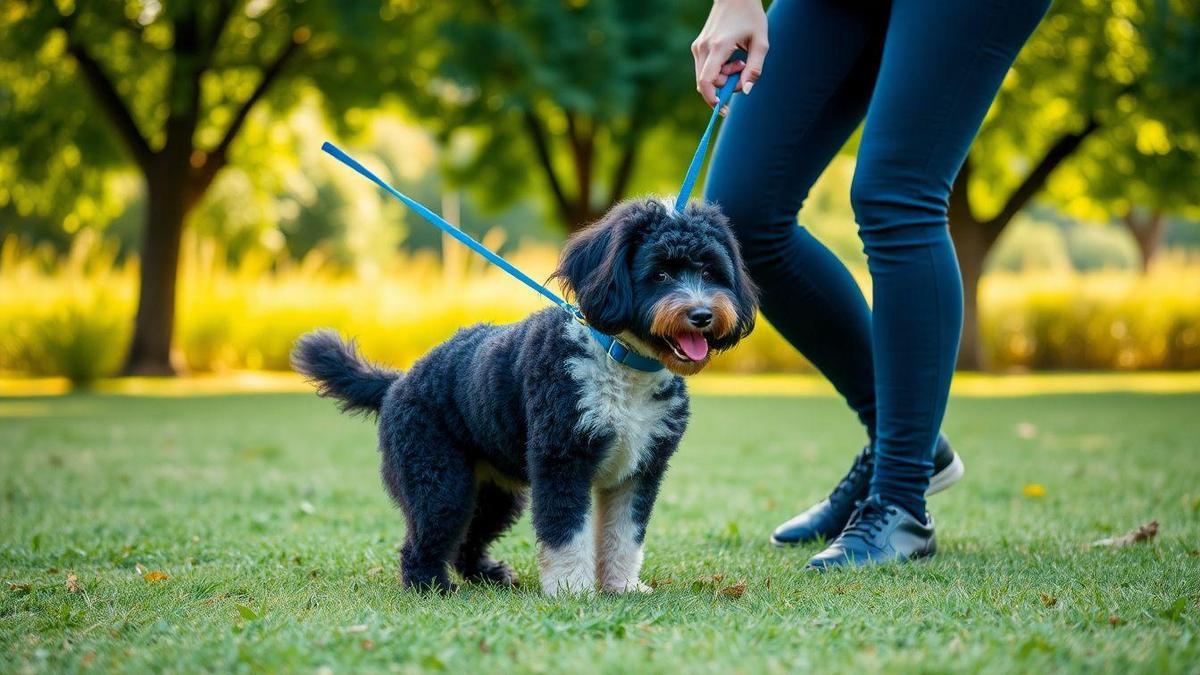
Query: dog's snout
[700,317]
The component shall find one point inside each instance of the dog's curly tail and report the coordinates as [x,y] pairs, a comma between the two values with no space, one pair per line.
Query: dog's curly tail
[335,366]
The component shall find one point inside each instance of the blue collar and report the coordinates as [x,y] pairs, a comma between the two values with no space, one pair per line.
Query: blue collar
[621,353]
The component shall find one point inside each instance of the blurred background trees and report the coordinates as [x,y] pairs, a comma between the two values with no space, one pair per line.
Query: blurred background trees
[1100,115]
[133,127]
[167,88]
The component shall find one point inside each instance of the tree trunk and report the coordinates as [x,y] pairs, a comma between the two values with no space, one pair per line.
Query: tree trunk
[150,352]
[971,243]
[1147,233]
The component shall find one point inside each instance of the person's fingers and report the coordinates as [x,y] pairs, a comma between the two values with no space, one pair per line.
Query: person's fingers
[733,67]
[699,53]
[754,64]
[712,67]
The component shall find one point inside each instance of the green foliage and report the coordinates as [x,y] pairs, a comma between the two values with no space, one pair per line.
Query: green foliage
[267,513]
[1130,68]
[89,89]
[593,81]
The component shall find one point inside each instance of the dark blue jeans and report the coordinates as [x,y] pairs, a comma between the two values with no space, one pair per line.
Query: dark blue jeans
[922,73]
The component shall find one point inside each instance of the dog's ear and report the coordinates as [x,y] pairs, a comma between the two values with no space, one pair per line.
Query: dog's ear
[744,288]
[595,267]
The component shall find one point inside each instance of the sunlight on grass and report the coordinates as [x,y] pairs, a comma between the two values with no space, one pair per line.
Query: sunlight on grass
[973,385]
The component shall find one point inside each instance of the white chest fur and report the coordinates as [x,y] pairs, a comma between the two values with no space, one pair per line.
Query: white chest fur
[617,400]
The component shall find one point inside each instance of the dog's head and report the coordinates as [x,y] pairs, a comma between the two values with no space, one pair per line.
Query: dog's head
[672,284]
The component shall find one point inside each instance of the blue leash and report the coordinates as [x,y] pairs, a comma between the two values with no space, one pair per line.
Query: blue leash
[693,172]
[618,351]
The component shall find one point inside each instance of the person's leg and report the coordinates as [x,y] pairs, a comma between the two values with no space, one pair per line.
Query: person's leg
[942,65]
[813,93]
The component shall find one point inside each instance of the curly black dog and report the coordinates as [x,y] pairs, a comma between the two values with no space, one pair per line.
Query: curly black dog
[537,408]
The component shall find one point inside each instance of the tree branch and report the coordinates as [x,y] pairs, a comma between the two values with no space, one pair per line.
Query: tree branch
[623,171]
[582,146]
[107,97]
[219,155]
[224,11]
[538,135]
[1059,151]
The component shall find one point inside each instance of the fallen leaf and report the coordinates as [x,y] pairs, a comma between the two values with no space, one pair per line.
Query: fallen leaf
[484,647]
[735,591]
[22,586]
[1115,620]
[378,569]
[1048,600]
[1026,431]
[1034,490]
[73,583]
[87,659]
[156,575]
[139,568]
[1144,533]
[368,645]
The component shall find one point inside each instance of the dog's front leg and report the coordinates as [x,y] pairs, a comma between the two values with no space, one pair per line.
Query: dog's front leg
[619,537]
[562,520]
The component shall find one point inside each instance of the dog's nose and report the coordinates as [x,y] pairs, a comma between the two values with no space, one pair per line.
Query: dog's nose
[700,317]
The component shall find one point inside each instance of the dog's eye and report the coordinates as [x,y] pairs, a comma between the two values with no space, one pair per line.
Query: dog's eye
[662,277]
[706,275]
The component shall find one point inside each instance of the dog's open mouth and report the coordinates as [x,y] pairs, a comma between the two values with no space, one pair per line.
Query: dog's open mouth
[688,345]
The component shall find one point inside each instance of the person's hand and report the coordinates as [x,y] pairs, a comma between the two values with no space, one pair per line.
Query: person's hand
[731,24]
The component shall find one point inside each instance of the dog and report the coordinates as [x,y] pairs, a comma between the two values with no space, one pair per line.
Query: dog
[537,410]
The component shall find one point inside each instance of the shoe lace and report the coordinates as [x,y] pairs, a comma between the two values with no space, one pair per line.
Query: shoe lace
[867,519]
[864,463]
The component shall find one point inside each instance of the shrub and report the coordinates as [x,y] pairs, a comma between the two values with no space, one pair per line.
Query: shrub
[72,317]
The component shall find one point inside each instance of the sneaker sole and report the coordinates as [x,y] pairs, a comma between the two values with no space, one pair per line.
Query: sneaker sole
[946,477]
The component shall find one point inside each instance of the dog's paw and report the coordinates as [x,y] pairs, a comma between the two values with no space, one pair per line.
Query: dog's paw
[491,571]
[629,586]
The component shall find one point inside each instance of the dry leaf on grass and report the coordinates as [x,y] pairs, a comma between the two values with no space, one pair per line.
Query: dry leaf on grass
[73,583]
[735,591]
[1144,533]
[1048,600]
[23,586]
[156,575]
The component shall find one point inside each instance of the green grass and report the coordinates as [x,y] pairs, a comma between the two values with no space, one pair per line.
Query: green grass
[267,514]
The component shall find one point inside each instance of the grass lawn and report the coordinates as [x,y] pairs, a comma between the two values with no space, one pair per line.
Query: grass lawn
[266,514]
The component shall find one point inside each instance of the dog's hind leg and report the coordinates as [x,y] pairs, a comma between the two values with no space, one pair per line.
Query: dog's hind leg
[496,509]
[435,486]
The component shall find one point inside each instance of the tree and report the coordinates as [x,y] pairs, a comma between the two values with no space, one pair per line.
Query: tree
[570,93]
[1102,109]
[94,87]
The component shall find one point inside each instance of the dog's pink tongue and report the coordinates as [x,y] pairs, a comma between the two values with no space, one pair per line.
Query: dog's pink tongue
[693,344]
